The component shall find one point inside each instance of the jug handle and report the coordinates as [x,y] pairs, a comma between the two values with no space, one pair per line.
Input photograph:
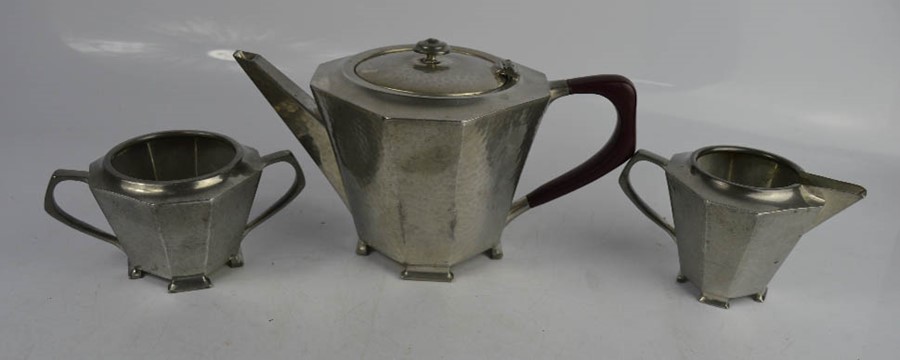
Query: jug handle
[621,93]
[292,192]
[625,183]
[58,213]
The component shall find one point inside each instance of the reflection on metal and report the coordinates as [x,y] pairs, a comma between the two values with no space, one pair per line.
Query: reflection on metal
[197,43]
[221,54]
[110,47]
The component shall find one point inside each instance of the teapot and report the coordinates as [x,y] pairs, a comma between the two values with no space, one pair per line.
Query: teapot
[425,143]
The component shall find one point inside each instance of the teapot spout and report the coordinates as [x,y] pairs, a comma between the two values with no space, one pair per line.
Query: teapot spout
[837,195]
[299,112]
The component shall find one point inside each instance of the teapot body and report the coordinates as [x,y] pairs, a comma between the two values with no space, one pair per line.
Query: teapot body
[429,184]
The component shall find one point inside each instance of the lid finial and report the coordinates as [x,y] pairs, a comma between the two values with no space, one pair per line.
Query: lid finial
[431,48]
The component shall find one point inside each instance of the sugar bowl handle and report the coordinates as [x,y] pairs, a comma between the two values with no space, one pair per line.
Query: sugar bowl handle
[625,183]
[292,192]
[618,90]
[58,213]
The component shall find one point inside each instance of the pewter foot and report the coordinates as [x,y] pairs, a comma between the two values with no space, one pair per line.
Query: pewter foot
[761,297]
[188,283]
[236,260]
[714,302]
[362,249]
[495,253]
[427,273]
[681,279]
[135,272]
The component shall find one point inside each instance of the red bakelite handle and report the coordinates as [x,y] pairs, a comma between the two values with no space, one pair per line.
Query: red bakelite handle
[621,145]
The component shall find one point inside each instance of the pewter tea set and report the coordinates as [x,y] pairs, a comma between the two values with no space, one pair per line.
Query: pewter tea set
[425,144]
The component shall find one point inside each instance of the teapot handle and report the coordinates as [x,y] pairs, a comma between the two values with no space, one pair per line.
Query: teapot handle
[618,90]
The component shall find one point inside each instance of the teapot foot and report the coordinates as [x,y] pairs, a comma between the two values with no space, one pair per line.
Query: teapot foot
[495,253]
[236,260]
[714,301]
[681,279]
[362,249]
[188,283]
[135,272]
[427,273]
[760,297]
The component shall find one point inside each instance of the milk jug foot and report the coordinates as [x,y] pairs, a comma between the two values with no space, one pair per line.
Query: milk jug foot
[135,272]
[427,273]
[495,253]
[760,297]
[362,249]
[188,283]
[681,279]
[714,302]
[236,260]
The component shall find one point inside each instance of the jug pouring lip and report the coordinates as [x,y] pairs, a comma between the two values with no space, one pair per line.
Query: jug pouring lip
[781,173]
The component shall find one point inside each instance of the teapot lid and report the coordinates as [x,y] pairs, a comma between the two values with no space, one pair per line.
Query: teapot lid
[431,68]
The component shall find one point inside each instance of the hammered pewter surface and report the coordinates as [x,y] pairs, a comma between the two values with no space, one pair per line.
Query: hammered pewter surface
[738,213]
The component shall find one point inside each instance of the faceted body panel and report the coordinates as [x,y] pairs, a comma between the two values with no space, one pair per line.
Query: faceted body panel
[421,175]
[134,224]
[229,213]
[728,234]
[493,153]
[774,236]
[690,233]
[186,236]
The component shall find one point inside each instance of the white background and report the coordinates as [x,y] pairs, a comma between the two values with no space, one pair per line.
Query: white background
[584,277]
